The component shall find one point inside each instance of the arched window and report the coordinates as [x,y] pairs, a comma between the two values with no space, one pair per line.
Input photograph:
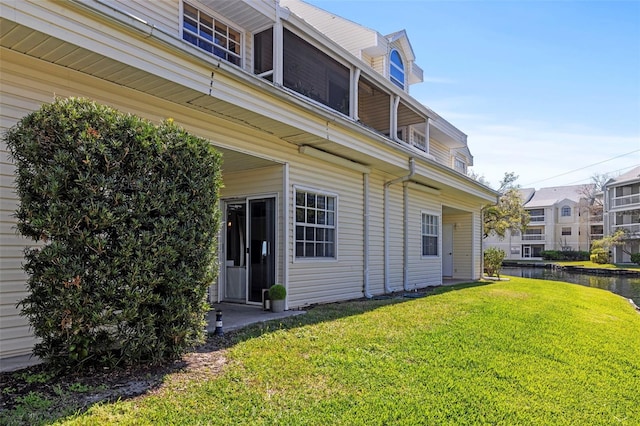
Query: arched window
[566,211]
[396,69]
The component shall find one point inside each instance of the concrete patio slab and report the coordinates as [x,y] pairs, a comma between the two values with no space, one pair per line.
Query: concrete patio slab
[235,316]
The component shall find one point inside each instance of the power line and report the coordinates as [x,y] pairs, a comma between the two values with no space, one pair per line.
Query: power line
[611,173]
[582,168]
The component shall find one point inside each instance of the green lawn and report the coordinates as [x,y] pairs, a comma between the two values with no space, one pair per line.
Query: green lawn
[589,264]
[524,352]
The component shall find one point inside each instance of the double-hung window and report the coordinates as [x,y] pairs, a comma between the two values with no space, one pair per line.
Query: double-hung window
[315,224]
[211,35]
[566,211]
[430,234]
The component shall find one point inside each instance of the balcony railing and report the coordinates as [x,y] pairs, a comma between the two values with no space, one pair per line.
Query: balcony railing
[626,200]
[536,219]
[532,237]
[631,230]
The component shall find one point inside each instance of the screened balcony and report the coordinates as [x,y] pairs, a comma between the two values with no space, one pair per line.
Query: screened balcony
[316,75]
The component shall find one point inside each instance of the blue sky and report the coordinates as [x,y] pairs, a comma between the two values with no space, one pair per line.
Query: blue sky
[549,90]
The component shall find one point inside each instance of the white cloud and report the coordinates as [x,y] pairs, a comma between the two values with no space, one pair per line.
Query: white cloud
[545,158]
[542,152]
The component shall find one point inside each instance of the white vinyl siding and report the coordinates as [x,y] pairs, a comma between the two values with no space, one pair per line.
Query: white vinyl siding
[376,233]
[395,239]
[15,336]
[164,14]
[440,153]
[325,280]
[378,64]
[423,270]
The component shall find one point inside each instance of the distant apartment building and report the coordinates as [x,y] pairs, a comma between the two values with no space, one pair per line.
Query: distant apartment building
[622,212]
[561,218]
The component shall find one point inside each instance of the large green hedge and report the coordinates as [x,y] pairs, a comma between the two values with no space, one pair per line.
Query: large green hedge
[564,255]
[126,214]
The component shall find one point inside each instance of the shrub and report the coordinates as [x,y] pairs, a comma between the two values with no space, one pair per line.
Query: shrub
[551,255]
[126,215]
[635,258]
[493,258]
[277,292]
[565,255]
[599,255]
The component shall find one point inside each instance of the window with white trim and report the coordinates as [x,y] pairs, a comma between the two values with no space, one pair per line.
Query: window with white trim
[211,35]
[460,165]
[430,234]
[566,211]
[566,230]
[315,235]
[396,69]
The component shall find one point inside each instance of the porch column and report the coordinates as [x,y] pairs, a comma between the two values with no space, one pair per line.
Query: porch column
[353,93]
[393,117]
[426,135]
[278,48]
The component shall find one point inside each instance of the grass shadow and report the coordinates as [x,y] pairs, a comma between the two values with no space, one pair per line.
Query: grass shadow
[25,399]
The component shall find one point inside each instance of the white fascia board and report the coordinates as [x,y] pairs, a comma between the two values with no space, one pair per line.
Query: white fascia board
[449,129]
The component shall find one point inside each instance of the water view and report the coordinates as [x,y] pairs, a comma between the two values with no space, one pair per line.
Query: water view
[625,286]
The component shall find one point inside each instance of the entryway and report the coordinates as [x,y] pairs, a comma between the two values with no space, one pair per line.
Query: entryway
[250,248]
[235,316]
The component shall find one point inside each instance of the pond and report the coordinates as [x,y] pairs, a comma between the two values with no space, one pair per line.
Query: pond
[625,286]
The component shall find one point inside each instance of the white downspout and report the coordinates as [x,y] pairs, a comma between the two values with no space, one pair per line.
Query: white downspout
[285,230]
[412,171]
[405,262]
[365,179]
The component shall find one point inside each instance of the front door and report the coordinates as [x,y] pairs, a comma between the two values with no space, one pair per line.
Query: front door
[262,259]
[250,249]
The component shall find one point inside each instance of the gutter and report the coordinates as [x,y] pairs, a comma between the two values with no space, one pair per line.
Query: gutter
[412,172]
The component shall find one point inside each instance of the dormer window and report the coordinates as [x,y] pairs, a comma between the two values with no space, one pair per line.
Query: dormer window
[566,211]
[211,35]
[460,165]
[396,69]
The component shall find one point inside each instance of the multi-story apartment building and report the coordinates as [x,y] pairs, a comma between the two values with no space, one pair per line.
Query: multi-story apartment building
[337,183]
[560,219]
[622,212]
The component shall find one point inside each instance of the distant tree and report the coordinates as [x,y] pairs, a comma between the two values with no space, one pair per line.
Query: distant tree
[600,248]
[508,182]
[478,178]
[592,192]
[592,198]
[509,212]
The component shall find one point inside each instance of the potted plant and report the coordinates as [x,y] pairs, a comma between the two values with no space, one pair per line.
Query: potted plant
[277,294]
